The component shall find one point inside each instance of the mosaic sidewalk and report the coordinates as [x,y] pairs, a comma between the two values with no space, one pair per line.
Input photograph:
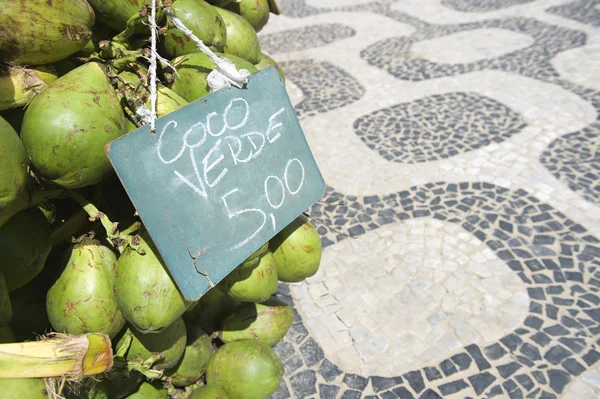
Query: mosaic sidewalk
[460,141]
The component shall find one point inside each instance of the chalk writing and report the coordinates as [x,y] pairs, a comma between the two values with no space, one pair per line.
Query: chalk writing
[209,167]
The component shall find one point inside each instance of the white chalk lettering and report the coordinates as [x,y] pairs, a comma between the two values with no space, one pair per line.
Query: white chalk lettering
[208,168]
[208,125]
[233,214]
[272,127]
[235,156]
[228,109]
[274,206]
[286,174]
[159,145]
[258,149]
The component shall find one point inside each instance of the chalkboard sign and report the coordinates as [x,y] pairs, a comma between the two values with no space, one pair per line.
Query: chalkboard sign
[219,178]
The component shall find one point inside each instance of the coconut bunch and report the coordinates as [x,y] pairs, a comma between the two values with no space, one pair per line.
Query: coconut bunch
[75,259]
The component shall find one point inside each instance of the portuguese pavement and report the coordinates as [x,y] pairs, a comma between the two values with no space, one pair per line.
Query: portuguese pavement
[460,142]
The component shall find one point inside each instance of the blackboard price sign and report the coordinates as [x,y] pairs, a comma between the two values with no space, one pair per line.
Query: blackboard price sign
[219,178]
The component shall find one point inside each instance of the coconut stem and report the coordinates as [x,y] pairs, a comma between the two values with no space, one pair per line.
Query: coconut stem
[27,200]
[95,214]
[72,357]
[118,240]
[69,227]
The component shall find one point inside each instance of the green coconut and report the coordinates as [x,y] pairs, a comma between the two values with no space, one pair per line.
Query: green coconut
[256,12]
[5,305]
[266,62]
[208,392]
[194,361]
[267,322]
[170,343]
[193,69]
[245,369]
[24,247]
[210,310]
[146,294]
[36,32]
[252,285]
[13,165]
[117,13]
[66,127]
[203,20]
[83,300]
[242,40]
[297,251]
[18,85]
[253,260]
[149,390]
[21,388]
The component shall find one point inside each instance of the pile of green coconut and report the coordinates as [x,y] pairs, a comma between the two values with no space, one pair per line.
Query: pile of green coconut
[74,256]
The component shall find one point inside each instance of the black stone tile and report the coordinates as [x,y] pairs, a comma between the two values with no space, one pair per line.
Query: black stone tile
[512,341]
[480,382]
[551,311]
[591,357]
[328,391]
[558,379]
[495,391]
[462,360]
[524,361]
[508,369]
[351,394]
[494,351]
[555,290]
[432,373]
[557,354]
[355,381]
[448,368]
[388,395]
[452,387]
[297,333]
[530,351]
[282,392]
[329,371]
[539,377]
[476,354]
[573,366]
[594,314]
[513,390]
[534,322]
[292,364]
[403,393]
[556,330]
[311,352]
[536,293]
[535,307]
[562,301]
[547,395]
[525,381]
[371,397]
[385,383]
[304,384]
[575,344]
[541,338]
[415,379]
[430,394]
[284,350]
